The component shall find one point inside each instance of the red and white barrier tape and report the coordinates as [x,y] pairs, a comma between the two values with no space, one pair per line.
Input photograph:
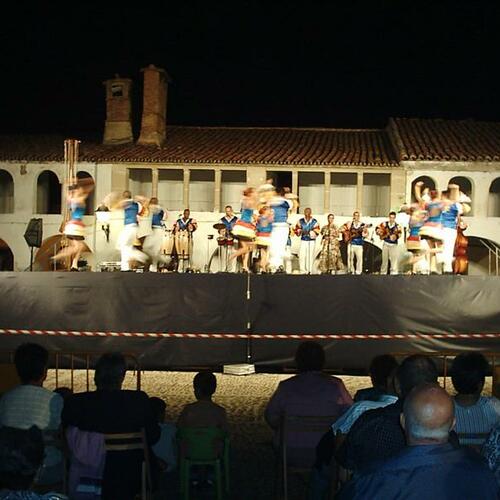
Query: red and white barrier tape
[280,336]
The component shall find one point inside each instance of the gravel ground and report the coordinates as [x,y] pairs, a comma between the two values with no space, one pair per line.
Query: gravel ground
[245,398]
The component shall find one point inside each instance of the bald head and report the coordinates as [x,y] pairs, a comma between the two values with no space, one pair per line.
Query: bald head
[428,415]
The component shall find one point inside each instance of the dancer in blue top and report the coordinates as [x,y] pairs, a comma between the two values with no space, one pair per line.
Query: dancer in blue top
[154,240]
[244,229]
[263,239]
[281,203]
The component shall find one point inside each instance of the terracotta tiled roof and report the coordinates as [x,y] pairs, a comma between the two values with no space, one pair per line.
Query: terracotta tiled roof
[221,145]
[445,140]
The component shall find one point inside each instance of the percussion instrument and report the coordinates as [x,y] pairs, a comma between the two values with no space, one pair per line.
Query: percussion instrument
[108,267]
[219,226]
[183,244]
[167,246]
[221,241]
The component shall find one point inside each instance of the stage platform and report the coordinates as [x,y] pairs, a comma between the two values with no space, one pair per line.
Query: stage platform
[190,320]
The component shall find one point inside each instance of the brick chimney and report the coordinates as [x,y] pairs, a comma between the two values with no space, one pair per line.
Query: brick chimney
[154,111]
[118,127]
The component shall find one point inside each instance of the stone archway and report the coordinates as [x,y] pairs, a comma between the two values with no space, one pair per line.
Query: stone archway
[6,257]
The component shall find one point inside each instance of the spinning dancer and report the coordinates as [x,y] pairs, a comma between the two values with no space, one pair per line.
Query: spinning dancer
[154,240]
[183,231]
[74,229]
[389,232]
[263,239]
[308,229]
[354,232]
[432,229]
[416,247]
[330,260]
[244,228]
[281,203]
[229,220]
[128,236]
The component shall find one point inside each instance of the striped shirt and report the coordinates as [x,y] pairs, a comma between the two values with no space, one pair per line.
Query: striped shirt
[474,423]
[28,405]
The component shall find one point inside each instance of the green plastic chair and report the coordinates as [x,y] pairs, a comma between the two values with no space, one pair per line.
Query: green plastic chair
[197,446]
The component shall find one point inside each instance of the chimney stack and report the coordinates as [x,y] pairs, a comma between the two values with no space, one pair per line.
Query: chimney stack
[118,127]
[154,112]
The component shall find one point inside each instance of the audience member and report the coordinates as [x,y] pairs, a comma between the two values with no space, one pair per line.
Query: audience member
[429,467]
[377,434]
[204,412]
[31,404]
[380,370]
[166,447]
[491,451]
[310,393]
[112,410]
[476,415]
[21,457]
[64,392]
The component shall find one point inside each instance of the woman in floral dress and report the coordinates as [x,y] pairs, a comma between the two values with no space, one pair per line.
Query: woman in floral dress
[330,260]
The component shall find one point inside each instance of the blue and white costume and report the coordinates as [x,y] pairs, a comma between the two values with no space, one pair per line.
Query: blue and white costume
[390,250]
[449,220]
[279,234]
[308,231]
[154,240]
[128,236]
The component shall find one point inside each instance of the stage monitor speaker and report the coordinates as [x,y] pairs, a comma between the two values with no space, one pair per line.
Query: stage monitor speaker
[34,232]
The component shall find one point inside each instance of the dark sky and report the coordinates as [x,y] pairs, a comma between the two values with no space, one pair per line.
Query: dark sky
[272,63]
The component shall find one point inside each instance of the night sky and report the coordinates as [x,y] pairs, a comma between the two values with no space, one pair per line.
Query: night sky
[244,63]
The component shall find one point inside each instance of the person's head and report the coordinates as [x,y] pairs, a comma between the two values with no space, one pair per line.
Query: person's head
[110,371]
[330,218]
[445,194]
[413,371]
[356,215]
[21,455]
[153,201]
[186,213]
[64,392]
[381,369]
[31,362]
[468,372]
[228,209]
[428,415]
[249,192]
[434,194]
[392,217]
[158,407]
[309,357]
[264,210]
[204,384]
[307,212]
[127,195]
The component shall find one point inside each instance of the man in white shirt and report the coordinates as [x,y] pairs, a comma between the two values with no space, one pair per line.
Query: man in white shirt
[30,404]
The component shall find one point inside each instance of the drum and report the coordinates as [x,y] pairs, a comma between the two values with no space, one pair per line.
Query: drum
[183,244]
[229,242]
[221,241]
[109,267]
[167,247]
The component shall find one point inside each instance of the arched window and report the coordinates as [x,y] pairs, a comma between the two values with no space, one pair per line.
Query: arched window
[465,186]
[48,193]
[89,202]
[6,257]
[6,193]
[428,183]
[494,199]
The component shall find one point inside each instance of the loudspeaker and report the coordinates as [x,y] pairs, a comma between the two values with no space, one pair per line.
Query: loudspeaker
[34,232]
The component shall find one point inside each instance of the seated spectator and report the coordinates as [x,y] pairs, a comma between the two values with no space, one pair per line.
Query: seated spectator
[112,410]
[30,404]
[491,451]
[21,457]
[429,467]
[377,434]
[380,369]
[64,392]
[204,412]
[310,393]
[476,415]
[166,447]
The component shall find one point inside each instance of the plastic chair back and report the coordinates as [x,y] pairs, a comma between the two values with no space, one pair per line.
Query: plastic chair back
[200,443]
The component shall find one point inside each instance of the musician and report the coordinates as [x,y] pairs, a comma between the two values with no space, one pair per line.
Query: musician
[153,241]
[229,220]
[280,203]
[308,229]
[389,232]
[184,225]
[354,232]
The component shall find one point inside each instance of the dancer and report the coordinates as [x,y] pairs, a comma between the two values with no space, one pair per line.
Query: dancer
[263,239]
[450,215]
[416,256]
[354,232]
[154,240]
[330,260]
[280,205]
[244,228]
[74,229]
[183,231]
[229,220]
[308,229]
[432,229]
[389,232]
[288,251]
[128,236]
